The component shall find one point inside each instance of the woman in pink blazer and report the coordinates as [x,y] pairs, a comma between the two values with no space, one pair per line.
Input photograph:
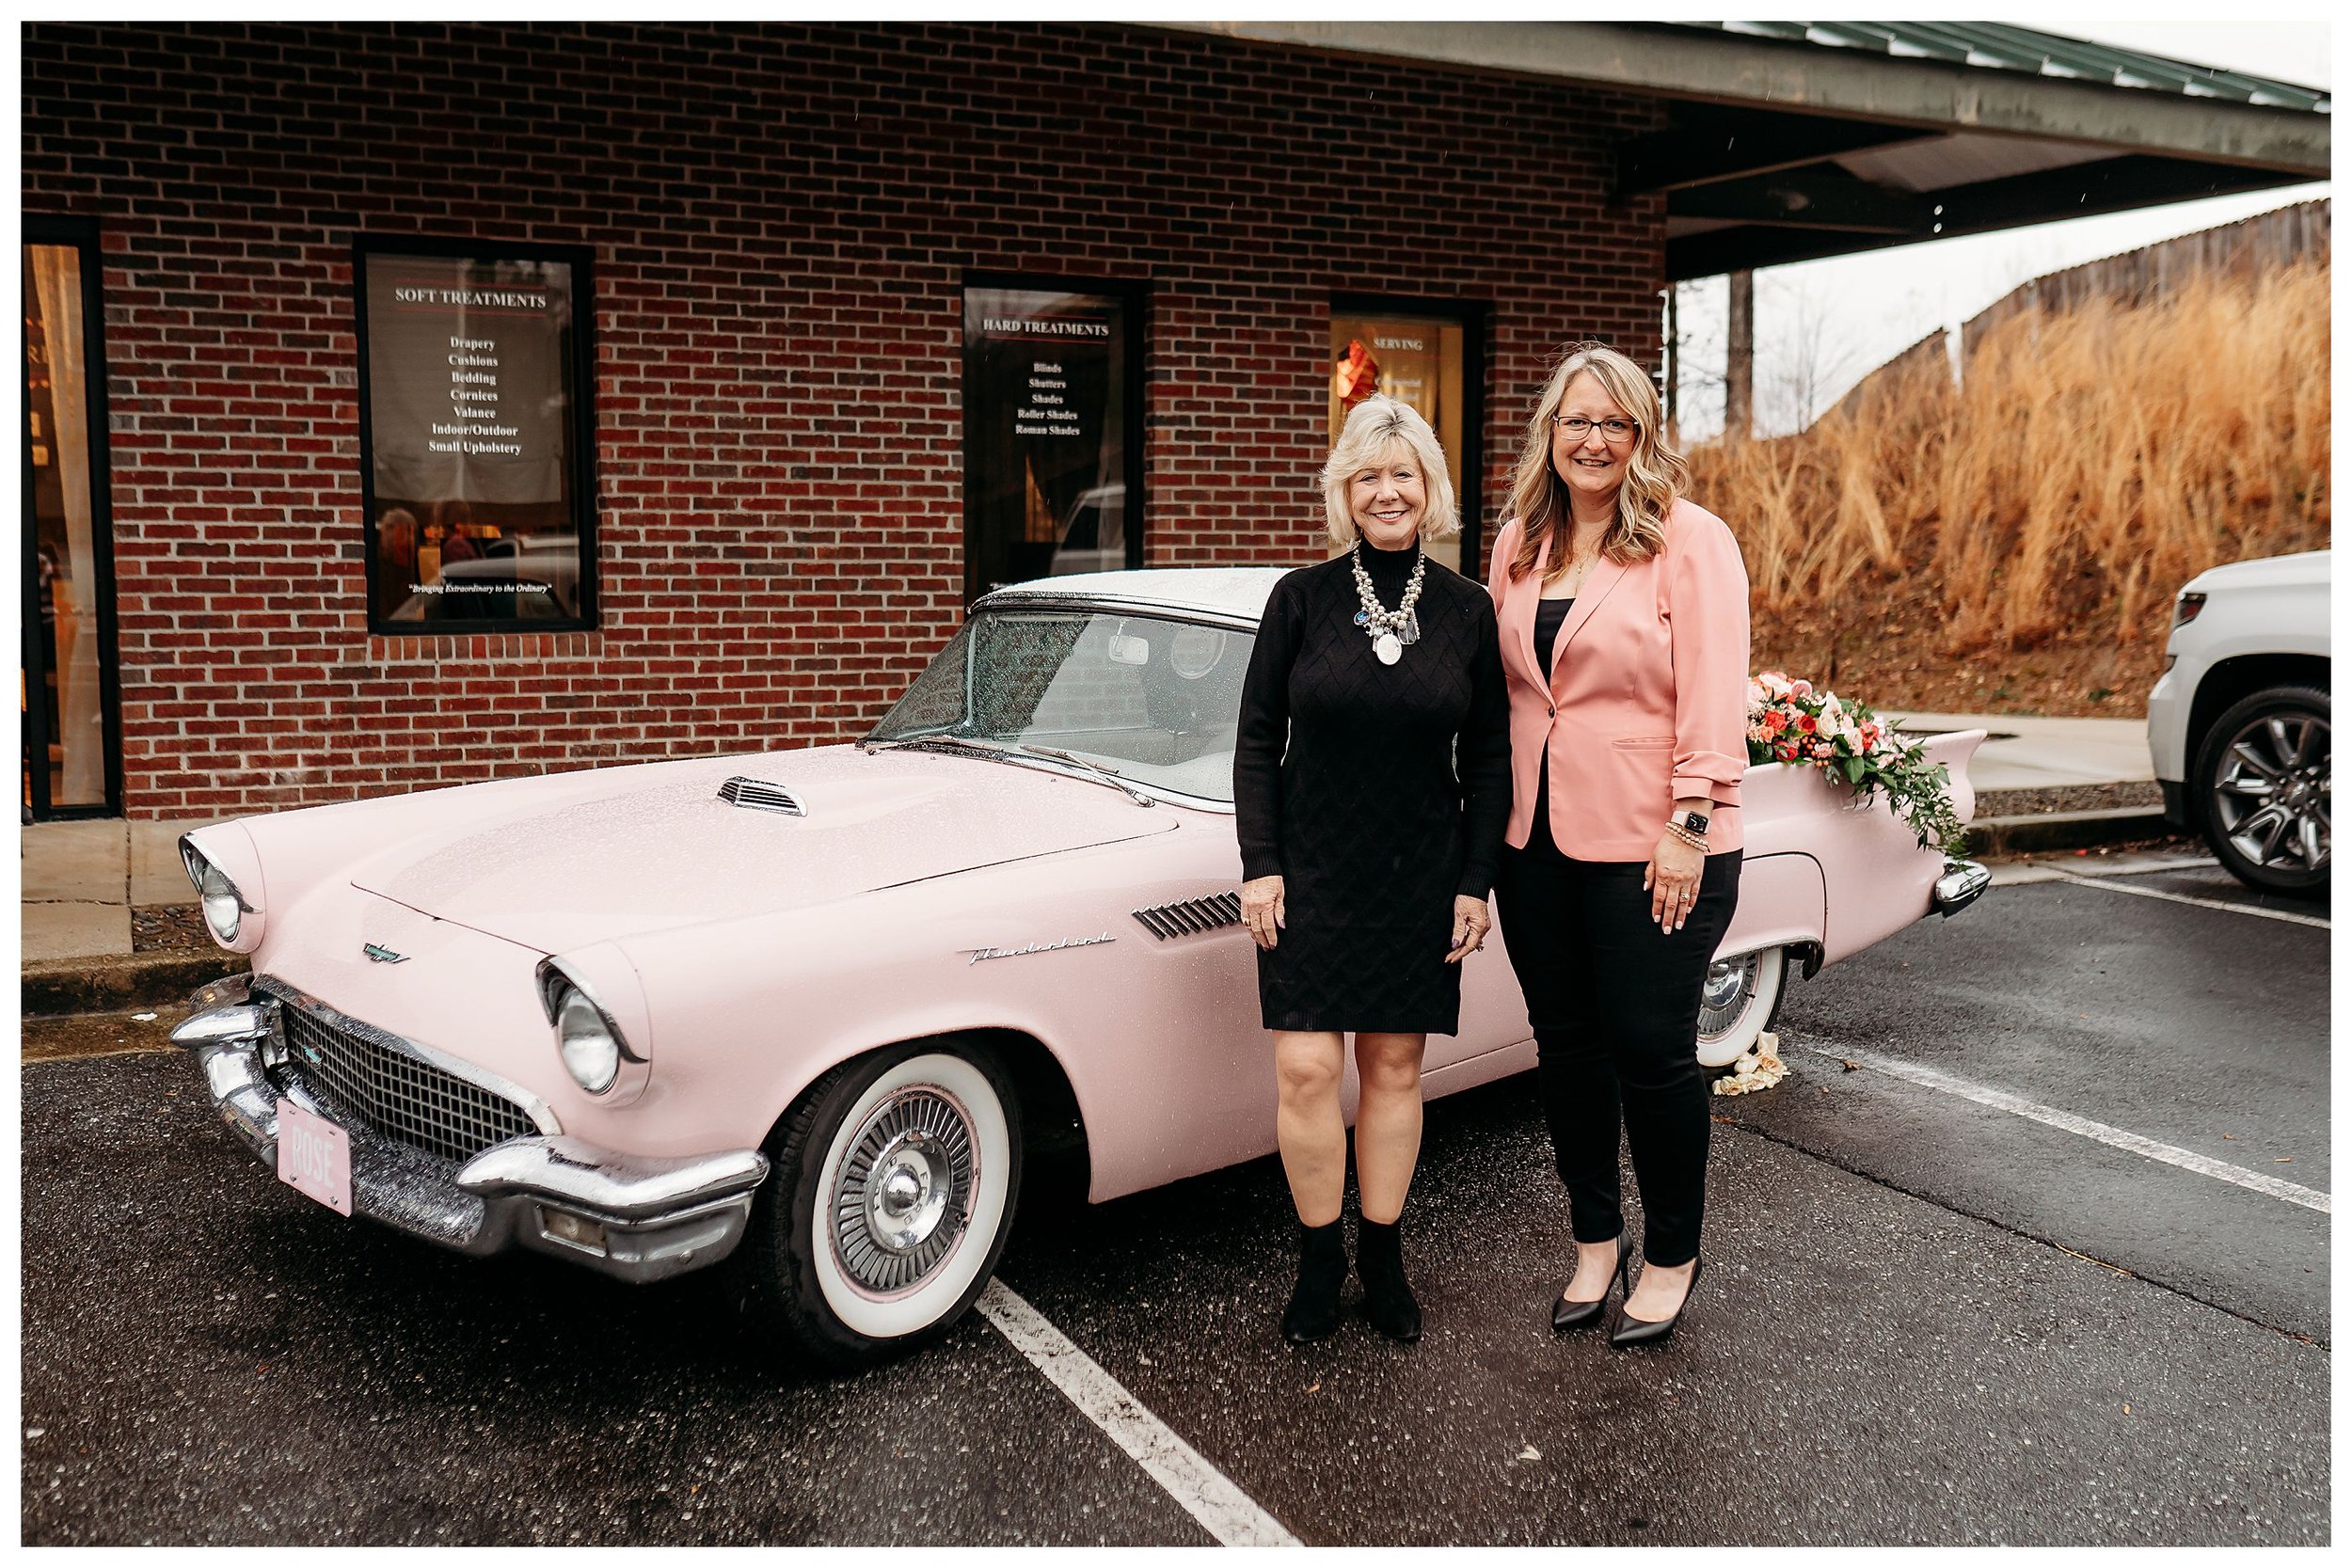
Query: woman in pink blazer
[1623,612]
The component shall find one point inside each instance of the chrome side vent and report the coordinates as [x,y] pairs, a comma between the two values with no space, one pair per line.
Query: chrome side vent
[1194,914]
[760,795]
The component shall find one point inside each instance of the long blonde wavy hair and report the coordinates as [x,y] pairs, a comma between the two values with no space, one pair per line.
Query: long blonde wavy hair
[1655,474]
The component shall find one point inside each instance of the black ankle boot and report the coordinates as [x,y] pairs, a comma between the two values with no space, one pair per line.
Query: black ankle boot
[1314,1310]
[1389,1303]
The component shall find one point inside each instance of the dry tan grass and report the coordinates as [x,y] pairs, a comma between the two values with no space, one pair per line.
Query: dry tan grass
[2091,463]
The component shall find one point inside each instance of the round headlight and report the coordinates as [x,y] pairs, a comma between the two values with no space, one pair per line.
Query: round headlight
[591,1054]
[223,909]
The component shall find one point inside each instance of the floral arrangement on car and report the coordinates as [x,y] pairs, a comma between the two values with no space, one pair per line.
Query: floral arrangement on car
[1789,722]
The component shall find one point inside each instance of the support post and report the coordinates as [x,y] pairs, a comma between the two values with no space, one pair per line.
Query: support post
[1671,372]
[1739,368]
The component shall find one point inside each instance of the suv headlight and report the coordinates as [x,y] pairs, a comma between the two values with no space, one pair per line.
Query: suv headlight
[586,1037]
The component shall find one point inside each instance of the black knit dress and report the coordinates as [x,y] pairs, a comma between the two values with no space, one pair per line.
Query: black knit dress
[1379,792]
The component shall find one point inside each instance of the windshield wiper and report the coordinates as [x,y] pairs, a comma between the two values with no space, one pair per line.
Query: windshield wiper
[1000,750]
[1108,775]
[953,742]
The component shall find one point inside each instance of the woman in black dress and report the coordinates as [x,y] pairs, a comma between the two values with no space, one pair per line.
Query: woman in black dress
[1372,779]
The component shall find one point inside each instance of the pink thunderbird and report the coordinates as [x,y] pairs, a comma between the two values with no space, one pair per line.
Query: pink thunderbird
[803,1010]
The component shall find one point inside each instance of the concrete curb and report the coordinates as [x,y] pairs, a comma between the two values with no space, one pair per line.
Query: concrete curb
[119,982]
[2044,831]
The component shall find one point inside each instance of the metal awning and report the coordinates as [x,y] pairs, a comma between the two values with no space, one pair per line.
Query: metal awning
[1993,46]
[1788,141]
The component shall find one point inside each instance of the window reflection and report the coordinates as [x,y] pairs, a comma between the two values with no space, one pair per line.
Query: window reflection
[64,700]
[1418,361]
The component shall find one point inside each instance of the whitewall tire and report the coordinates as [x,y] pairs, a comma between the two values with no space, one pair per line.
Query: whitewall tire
[1738,1003]
[892,1187]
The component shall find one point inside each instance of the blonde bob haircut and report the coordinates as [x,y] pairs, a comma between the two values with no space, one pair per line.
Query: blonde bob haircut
[1655,473]
[1373,427]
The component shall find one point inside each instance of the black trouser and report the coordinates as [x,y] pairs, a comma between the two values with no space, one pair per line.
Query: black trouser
[1615,1005]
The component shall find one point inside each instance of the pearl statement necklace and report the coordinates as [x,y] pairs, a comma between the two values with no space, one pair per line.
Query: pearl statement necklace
[1391,631]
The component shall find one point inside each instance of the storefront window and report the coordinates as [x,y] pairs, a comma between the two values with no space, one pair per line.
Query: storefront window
[1424,360]
[1053,406]
[476,437]
[71,752]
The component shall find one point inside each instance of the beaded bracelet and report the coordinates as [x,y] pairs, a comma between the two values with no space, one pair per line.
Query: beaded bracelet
[1687,836]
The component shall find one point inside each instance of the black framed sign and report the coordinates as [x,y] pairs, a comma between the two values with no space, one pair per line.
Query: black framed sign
[1052,428]
[476,436]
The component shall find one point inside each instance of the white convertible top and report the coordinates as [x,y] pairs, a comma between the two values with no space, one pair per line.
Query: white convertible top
[1217,590]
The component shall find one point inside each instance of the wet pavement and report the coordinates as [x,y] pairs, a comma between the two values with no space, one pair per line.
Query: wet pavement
[1923,1318]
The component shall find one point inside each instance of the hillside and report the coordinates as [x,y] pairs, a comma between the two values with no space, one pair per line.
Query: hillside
[2012,544]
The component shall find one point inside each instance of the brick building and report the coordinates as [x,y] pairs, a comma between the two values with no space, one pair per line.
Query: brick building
[782,223]
[767,250]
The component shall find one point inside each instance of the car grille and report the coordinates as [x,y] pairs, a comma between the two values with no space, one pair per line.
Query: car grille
[385,1090]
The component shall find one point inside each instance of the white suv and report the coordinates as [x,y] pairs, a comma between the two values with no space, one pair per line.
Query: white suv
[2238,724]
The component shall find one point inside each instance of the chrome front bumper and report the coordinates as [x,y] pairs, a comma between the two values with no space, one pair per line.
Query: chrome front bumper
[1958,888]
[634,1217]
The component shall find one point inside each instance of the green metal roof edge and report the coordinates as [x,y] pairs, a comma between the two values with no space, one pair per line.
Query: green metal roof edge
[1995,46]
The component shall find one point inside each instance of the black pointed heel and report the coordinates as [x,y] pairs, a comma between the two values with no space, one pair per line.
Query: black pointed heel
[1640,1331]
[1314,1312]
[1568,1315]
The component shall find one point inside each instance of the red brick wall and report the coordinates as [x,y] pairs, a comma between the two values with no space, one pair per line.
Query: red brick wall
[780,219]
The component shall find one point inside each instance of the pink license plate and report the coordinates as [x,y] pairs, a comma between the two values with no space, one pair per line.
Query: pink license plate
[315,1156]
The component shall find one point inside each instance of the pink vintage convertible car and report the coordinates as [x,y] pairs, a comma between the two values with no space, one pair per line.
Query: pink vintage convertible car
[805,1007]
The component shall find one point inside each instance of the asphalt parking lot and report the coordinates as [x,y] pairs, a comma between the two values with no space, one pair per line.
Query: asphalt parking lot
[2047,1263]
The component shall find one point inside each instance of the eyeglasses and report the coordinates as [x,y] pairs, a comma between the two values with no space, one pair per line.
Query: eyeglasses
[1576,427]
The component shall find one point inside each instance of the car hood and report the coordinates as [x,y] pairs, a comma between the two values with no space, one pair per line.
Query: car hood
[603,856]
[2275,571]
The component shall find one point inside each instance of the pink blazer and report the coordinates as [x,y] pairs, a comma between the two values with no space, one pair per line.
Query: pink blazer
[1648,694]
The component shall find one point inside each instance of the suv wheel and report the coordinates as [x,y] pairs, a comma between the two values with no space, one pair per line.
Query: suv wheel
[2261,783]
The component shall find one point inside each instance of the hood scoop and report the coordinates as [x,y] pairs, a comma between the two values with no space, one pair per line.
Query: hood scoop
[760,795]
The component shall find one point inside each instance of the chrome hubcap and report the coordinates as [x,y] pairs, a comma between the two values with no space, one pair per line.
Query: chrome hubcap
[2270,798]
[905,1191]
[1730,985]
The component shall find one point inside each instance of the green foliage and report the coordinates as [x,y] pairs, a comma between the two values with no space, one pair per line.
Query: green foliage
[1790,723]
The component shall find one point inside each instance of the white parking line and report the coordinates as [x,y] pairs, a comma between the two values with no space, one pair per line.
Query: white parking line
[2114,1137]
[2201,903]
[2013,873]
[1224,1509]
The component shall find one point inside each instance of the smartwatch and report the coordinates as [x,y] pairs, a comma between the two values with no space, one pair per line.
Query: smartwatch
[1693,822]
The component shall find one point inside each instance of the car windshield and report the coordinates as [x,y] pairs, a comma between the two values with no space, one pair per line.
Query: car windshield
[1151,699]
